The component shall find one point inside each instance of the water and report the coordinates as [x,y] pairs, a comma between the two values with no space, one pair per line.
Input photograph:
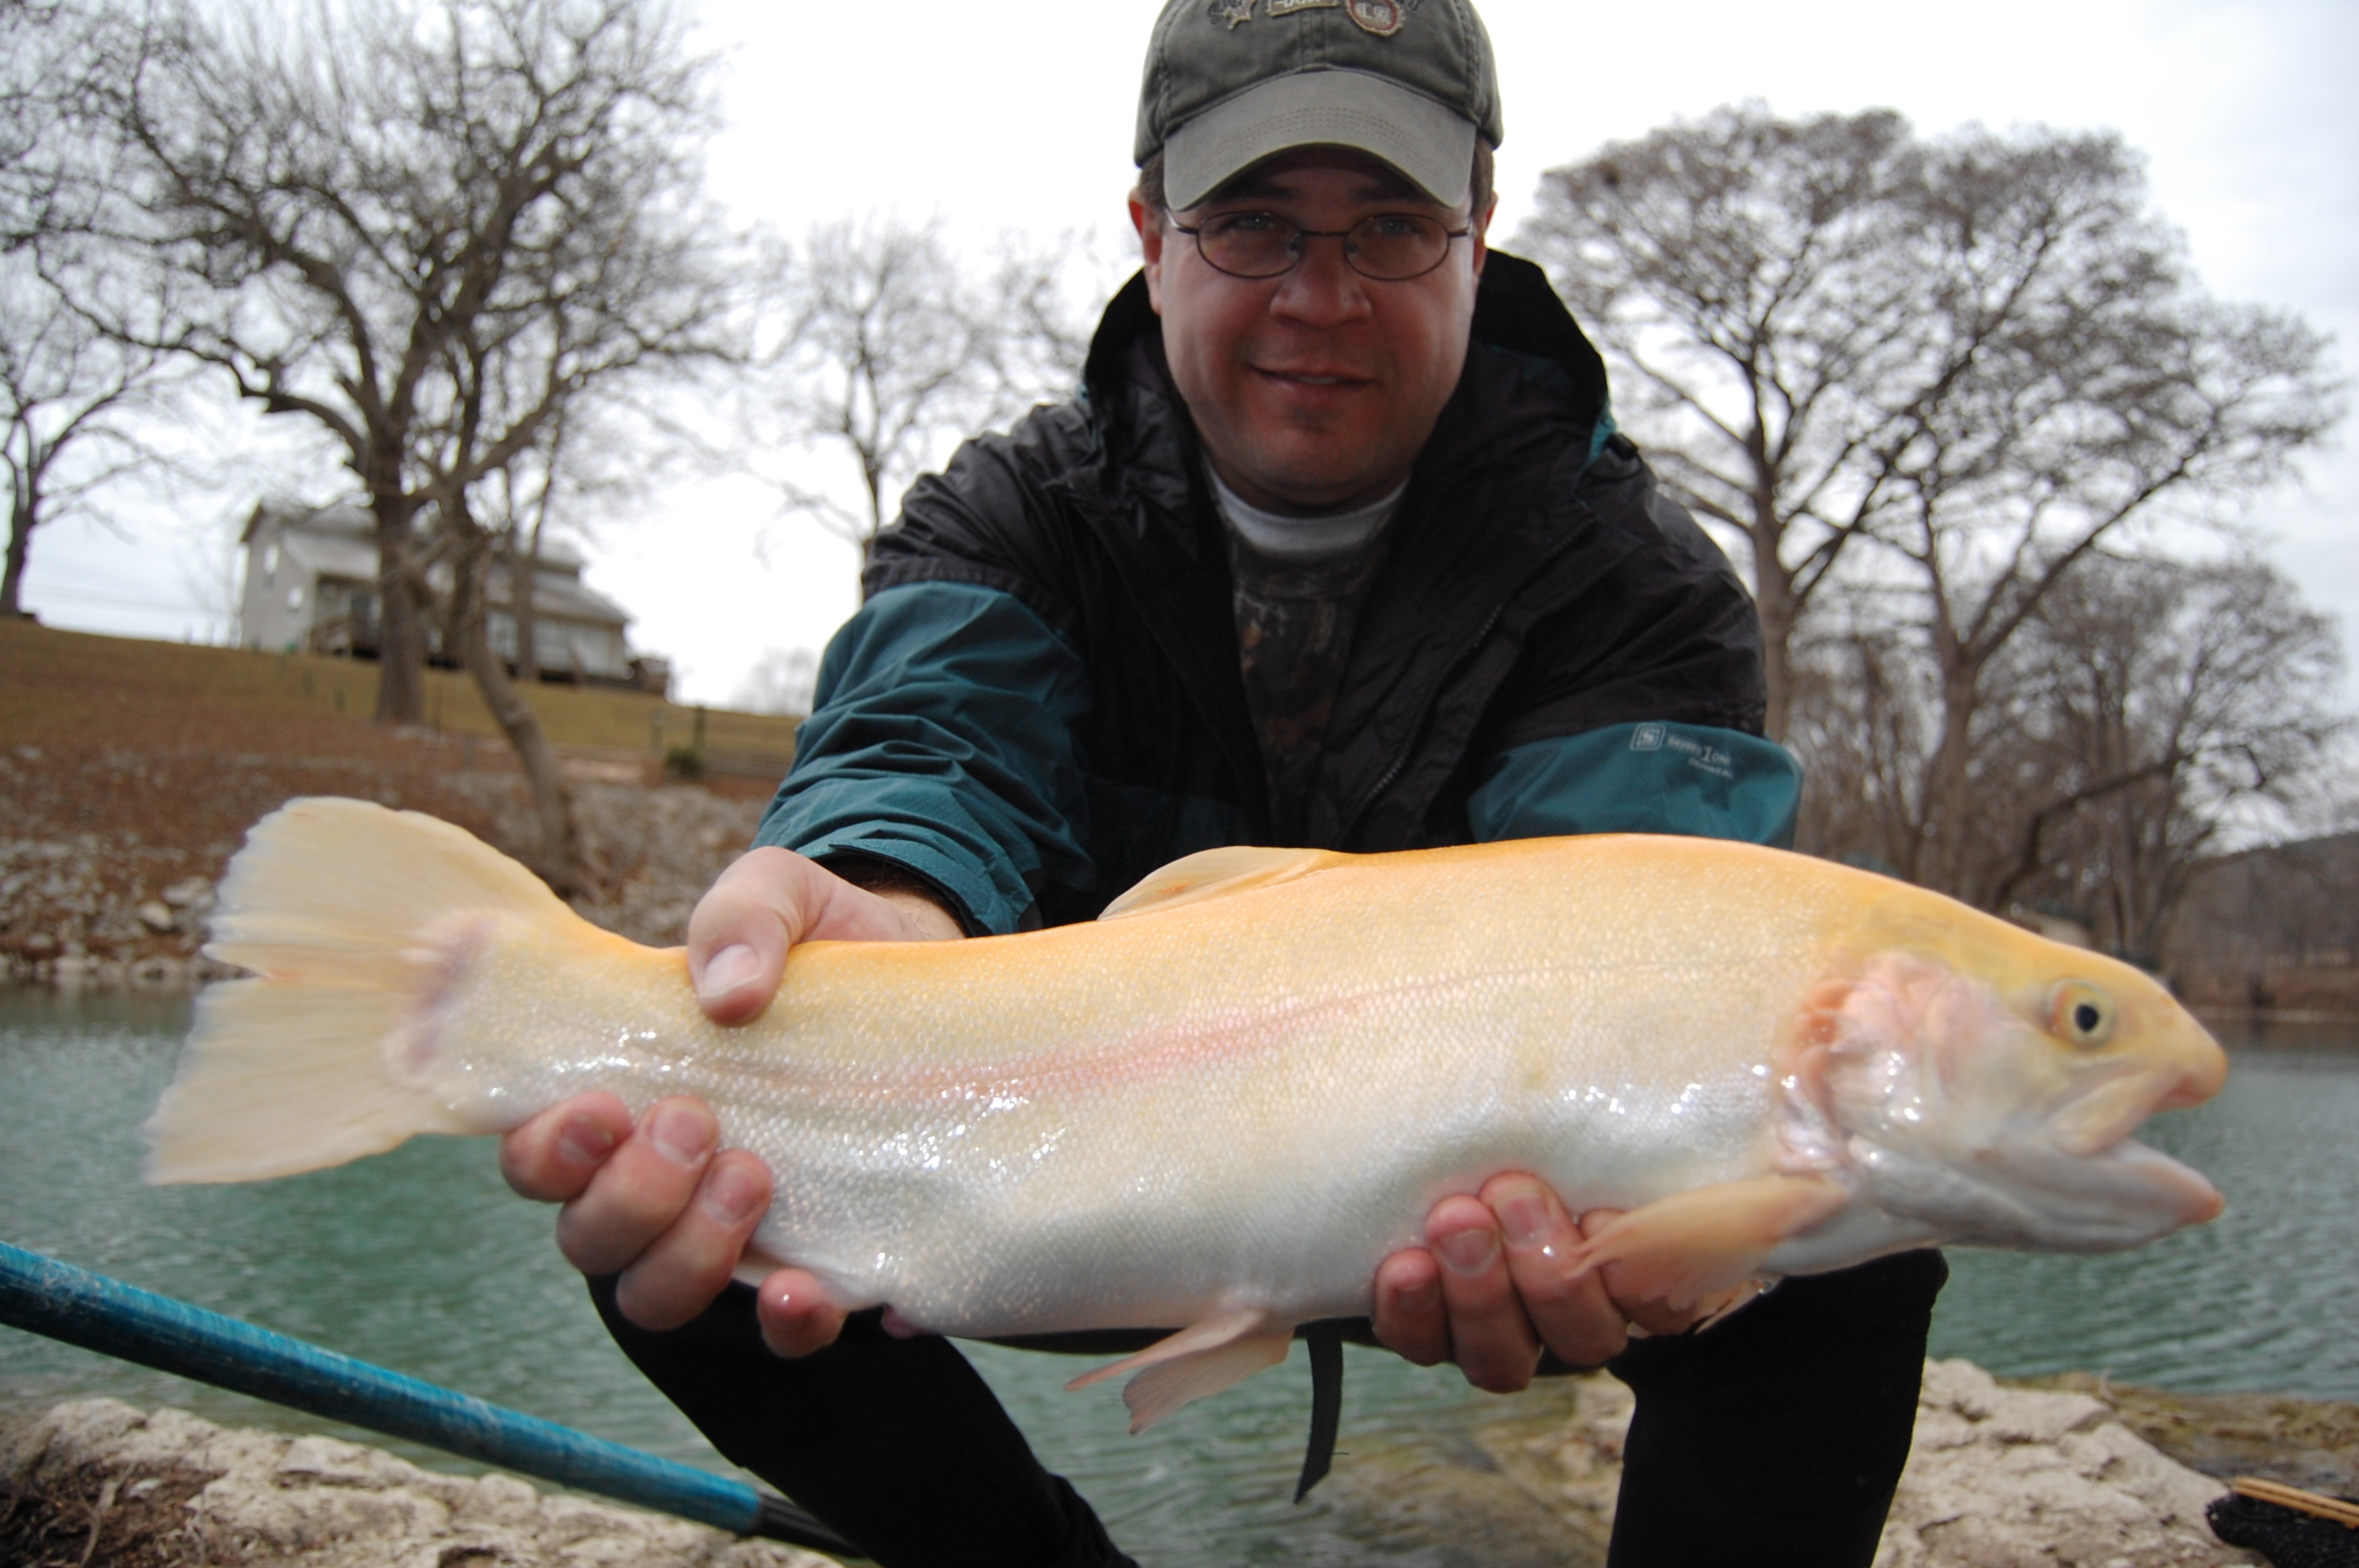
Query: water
[422,1261]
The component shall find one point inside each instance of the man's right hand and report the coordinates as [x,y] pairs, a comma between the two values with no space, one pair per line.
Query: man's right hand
[655,1202]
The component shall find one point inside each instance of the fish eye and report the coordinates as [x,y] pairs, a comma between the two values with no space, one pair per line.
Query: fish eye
[2079,1014]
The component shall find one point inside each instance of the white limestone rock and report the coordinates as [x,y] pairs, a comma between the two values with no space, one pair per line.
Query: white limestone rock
[255,1497]
[2019,1478]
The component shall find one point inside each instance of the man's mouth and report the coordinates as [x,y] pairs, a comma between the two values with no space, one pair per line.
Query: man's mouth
[1321,378]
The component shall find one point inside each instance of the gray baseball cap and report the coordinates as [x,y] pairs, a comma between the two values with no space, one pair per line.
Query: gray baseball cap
[1230,82]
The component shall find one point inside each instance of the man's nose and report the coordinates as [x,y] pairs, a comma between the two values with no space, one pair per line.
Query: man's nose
[1322,290]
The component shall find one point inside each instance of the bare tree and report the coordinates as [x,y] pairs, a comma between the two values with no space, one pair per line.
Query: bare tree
[2150,709]
[2103,389]
[582,334]
[396,191]
[781,681]
[1755,281]
[69,397]
[2165,697]
[72,399]
[888,353]
[1982,351]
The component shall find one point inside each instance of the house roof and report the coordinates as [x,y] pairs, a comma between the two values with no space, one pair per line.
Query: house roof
[344,518]
[340,541]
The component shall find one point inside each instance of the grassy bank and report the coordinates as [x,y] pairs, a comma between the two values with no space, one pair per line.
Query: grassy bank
[64,688]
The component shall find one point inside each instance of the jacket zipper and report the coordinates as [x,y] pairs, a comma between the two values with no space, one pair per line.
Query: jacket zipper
[1465,651]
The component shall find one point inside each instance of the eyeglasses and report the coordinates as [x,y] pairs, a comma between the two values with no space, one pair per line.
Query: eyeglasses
[1391,247]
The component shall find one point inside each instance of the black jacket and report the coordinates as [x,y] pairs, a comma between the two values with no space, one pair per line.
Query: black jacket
[1538,587]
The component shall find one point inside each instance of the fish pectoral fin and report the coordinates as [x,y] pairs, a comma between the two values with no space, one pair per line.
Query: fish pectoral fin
[1688,1249]
[1216,873]
[1218,1350]
[754,1266]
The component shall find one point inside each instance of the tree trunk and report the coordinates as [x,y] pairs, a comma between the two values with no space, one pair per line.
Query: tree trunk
[1773,598]
[1941,853]
[400,621]
[561,862]
[20,545]
[524,578]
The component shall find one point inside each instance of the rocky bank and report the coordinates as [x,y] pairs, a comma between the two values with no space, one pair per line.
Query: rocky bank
[97,1483]
[94,890]
[2001,1476]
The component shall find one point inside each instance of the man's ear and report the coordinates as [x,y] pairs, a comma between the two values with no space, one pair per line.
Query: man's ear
[1148,222]
[1480,246]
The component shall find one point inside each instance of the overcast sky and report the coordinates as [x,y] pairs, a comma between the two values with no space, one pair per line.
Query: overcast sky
[999,116]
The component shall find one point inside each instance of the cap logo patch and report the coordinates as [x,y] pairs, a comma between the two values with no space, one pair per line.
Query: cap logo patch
[1289,8]
[1382,17]
[1236,12]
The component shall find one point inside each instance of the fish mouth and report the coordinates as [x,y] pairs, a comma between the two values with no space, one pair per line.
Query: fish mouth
[2187,1197]
[2106,1115]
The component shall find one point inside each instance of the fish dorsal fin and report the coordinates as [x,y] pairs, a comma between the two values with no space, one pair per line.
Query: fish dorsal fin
[1216,873]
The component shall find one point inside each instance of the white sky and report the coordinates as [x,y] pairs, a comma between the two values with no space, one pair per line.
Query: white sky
[1012,117]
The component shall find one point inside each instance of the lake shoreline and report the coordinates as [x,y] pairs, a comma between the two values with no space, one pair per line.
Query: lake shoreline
[2071,1469]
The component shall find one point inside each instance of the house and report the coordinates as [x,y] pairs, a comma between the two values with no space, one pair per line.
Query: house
[310,587]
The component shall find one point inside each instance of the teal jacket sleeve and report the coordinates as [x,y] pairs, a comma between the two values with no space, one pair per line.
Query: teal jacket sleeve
[943,738]
[1691,779]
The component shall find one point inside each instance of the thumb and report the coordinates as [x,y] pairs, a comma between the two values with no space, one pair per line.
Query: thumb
[741,930]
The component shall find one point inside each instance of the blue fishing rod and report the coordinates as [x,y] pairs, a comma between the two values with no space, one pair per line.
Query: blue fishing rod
[73,1304]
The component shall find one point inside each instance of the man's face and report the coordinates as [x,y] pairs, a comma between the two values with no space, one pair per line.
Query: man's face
[1316,389]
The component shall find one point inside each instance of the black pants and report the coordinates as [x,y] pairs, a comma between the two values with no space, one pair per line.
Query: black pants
[1774,1440]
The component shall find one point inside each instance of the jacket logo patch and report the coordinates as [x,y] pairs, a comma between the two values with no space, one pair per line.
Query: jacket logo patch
[1647,738]
[1236,12]
[1382,17]
[1289,8]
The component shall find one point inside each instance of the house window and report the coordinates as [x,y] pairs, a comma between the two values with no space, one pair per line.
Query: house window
[295,596]
[271,563]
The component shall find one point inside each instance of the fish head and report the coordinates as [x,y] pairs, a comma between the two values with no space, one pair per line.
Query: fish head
[1985,1081]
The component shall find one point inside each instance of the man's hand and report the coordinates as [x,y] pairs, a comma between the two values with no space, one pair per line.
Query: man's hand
[1488,1289]
[655,1203]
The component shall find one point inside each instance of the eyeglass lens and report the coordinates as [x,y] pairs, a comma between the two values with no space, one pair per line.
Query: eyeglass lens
[1389,246]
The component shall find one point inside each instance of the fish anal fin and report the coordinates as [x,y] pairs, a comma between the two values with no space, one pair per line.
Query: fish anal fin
[1690,1249]
[1216,873]
[1217,1351]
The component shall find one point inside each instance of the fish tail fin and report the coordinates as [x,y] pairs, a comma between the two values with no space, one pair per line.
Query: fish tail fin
[330,902]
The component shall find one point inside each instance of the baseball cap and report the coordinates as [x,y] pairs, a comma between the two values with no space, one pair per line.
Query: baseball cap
[1230,82]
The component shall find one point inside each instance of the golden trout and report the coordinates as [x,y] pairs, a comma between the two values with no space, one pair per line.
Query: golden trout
[1224,1103]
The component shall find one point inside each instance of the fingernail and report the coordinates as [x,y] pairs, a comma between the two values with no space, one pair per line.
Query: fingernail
[726,971]
[1525,1221]
[584,1141]
[1420,1298]
[1468,1252]
[733,1194]
[681,1135]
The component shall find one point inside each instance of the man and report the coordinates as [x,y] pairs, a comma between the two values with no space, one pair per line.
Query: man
[1337,547]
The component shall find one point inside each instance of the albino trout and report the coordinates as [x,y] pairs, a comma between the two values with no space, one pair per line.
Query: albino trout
[1224,1103]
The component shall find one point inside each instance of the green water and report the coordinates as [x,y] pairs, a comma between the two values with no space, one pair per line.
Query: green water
[422,1261]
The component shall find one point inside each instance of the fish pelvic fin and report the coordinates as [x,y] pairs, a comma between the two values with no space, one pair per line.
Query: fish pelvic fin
[331,903]
[1217,1351]
[1700,1249]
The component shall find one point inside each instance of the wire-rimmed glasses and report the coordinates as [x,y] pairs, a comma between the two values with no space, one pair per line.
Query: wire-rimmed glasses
[1389,247]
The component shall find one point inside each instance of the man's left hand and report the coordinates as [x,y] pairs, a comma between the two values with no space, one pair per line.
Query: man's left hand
[1489,1289]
